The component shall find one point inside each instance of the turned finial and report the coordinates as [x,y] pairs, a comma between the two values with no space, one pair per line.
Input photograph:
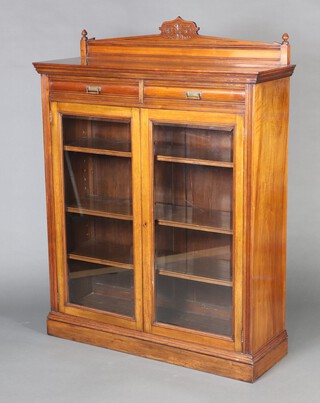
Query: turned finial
[285,39]
[84,44]
[84,35]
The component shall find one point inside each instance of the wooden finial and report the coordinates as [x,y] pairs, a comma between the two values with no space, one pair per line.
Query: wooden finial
[84,35]
[285,39]
[285,49]
[179,29]
[83,43]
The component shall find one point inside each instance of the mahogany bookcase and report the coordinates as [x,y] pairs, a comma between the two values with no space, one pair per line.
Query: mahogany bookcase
[166,181]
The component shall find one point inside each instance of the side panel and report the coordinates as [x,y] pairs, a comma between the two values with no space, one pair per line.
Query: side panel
[268,189]
[47,143]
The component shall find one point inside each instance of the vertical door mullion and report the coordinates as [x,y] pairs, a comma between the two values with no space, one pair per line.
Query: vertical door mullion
[137,215]
[147,167]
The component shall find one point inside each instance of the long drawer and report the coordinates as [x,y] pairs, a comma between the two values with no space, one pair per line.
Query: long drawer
[105,89]
[193,94]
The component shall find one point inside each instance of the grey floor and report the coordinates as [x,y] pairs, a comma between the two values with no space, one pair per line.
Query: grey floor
[35,367]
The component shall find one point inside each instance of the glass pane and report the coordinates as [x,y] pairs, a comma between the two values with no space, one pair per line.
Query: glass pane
[102,287]
[194,279]
[98,183]
[194,142]
[193,305]
[96,133]
[198,255]
[100,239]
[99,221]
[193,195]
[193,199]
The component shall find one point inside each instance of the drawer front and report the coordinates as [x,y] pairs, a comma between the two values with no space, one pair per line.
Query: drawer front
[104,89]
[194,94]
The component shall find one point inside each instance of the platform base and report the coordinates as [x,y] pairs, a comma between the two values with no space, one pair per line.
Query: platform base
[229,364]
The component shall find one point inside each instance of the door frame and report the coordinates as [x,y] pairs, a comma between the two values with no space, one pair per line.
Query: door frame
[148,116]
[57,110]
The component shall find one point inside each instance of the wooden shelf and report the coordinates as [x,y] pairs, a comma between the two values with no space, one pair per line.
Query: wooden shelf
[193,161]
[193,218]
[207,269]
[100,143]
[211,265]
[99,146]
[102,207]
[97,151]
[106,253]
[193,155]
[95,272]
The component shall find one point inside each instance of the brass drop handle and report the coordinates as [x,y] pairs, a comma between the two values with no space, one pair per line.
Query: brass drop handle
[193,94]
[93,89]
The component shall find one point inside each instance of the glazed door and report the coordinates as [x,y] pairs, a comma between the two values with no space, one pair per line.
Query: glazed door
[96,154]
[192,226]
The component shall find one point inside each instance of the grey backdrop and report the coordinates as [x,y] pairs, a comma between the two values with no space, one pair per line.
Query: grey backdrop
[38,368]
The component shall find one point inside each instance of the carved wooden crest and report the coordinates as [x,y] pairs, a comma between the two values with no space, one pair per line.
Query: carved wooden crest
[179,29]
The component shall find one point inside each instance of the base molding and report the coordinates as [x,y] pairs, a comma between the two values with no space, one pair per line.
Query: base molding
[229,364]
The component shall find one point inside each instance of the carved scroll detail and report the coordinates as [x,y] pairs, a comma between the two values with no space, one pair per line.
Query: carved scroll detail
[179,29]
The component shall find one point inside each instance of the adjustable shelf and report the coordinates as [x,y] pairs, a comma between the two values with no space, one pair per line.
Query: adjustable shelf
[102,207]
[96,272]
[194,218]
[104,253]
[211,265]
[193,161]
[205,270]
[99,151]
